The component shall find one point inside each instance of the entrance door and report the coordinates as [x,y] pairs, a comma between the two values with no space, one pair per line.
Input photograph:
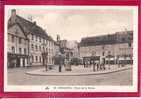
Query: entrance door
[18,62]
[23,62]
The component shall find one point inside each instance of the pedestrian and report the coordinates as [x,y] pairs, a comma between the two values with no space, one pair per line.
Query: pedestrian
[94,66]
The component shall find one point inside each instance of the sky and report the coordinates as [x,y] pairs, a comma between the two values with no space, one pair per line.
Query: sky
[74,24]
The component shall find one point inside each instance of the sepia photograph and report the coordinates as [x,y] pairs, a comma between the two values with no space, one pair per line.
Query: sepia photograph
[67,48]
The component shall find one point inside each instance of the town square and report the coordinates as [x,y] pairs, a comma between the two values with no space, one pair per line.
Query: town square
[70,49]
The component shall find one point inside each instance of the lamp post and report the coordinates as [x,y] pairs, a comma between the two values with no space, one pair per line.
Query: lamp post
[44,57]
[60,57]
[109,59]
[93,55]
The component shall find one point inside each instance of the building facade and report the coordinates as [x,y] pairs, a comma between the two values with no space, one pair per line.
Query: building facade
[30,41]
[109,49]
[18,44]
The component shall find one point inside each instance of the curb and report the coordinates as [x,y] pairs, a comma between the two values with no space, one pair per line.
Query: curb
[80,74]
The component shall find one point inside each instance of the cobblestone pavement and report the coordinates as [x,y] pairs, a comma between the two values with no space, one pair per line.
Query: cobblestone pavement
[17,76]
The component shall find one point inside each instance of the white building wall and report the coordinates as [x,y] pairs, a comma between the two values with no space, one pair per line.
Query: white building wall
[114,49]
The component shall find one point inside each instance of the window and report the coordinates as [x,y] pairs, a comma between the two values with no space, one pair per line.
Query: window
[16,31]
[40,48]
[44,41]
[36,48]
[40,59]
[47,42]
[129,44]
[32,46]
[13,49]
[36,38]
[103,53]
[36,58]
[20,51]
[109,52]
[123,39]
[32,37]
[40,39]
[24,50]
[20,40]
[12,38]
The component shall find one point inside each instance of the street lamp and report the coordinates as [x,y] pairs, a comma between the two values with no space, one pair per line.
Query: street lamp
[109,55]
[93,56]
[44,56]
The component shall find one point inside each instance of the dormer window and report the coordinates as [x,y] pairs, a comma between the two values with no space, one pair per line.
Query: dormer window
[16,31]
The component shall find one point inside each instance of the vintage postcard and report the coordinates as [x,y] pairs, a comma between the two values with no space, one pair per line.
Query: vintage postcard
[52,49]
[71,48]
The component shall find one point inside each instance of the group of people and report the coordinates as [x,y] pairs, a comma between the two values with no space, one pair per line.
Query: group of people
[96,65]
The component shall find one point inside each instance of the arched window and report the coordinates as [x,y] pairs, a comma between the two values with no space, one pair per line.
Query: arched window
[13,49]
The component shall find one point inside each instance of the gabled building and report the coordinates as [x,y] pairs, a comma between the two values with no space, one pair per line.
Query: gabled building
[30,40]
[18,43]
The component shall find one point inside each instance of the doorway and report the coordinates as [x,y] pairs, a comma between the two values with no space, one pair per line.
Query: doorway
[23,62]
[18,62]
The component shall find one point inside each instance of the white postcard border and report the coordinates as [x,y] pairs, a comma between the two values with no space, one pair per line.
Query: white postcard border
[49,88]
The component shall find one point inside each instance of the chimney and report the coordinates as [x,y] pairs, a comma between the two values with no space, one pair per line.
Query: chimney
[34,22]
[13,12]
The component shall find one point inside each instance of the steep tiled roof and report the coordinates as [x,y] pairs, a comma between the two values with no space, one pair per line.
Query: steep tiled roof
[29,27]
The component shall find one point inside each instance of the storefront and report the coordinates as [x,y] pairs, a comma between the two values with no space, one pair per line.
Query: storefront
[125,60]
[91,59]
[110,59]
[17,60]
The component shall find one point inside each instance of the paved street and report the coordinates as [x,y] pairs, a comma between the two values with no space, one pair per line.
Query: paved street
[17,76]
